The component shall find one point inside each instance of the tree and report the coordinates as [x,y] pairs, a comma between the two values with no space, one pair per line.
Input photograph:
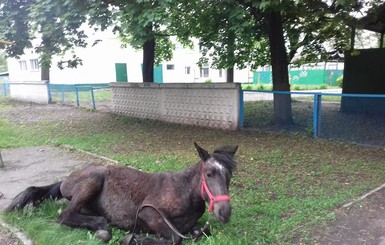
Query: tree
[268,32]
[54,23]
[143,24]
[57,28]
[3,62]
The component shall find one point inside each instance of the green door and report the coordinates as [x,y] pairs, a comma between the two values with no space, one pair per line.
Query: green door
[158,74]
[121,72]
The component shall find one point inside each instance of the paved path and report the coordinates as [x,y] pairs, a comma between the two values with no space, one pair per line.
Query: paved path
[24,167]
[41,165]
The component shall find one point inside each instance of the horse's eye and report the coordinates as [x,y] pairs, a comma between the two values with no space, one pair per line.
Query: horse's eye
[209,174]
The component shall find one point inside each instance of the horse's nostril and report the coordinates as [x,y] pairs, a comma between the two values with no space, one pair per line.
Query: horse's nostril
[221,213]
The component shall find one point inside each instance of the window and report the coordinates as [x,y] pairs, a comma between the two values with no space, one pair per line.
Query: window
[170,67]
[220,72]
[23,65]
[204,71]
[34,64]
[187,70]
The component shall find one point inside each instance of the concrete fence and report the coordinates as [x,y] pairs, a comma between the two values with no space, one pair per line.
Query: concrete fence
[207,105]
[37,92]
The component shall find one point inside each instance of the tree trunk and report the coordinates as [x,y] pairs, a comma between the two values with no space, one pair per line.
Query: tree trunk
[148,60]
[230,57]
[44,75]
[230,75]
[279,63]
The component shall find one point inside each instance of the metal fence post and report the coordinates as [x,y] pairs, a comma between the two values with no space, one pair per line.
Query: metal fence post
[77,95]
[49,92]
[241,109]
[316,115]
[93,98]
[62,94]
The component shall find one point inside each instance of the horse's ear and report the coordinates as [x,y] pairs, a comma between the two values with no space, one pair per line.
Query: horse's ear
[227,149]
[203,154]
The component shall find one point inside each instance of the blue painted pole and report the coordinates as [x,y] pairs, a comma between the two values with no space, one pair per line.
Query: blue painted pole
[77,95]
[62,94]
[49,92]
[241,109]
[316,115]
[93,98]
[5,89]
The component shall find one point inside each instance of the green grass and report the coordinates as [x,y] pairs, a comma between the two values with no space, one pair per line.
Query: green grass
[283,186]
[70,96]
[325,98]
[294,87]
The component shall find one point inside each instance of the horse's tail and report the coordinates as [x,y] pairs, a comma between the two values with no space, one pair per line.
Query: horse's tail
[34,195]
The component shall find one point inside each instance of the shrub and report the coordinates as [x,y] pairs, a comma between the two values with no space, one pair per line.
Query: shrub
[323,86]
[340,81]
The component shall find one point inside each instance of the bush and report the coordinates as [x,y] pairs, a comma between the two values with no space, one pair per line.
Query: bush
[323,86]
[340,81]
[247,86]
[209,81]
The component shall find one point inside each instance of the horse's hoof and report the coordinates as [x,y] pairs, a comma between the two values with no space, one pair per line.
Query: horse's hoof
[103,235]
[128,240]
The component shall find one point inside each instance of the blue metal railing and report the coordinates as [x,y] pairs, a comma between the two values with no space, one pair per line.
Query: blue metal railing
[64,89]
[4,89]
[317,104]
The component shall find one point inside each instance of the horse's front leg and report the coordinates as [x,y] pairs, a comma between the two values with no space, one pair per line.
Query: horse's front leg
[153,221]
[198,233]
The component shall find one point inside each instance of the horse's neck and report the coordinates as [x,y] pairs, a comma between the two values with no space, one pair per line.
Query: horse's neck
[193,175]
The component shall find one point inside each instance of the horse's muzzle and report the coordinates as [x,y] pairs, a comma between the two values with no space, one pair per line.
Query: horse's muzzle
[222,211]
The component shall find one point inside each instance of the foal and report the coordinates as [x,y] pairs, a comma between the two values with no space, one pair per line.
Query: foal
[167,204]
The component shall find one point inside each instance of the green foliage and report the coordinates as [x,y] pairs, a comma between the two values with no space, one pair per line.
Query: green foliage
[3,62]
[208,81]
[340,81]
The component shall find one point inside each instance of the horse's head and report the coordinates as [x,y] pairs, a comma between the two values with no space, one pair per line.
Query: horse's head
[217,170]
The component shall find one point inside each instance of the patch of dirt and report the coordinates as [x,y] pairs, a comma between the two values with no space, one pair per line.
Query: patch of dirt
[362,223]
[8,239]
[43,165]
[38,166]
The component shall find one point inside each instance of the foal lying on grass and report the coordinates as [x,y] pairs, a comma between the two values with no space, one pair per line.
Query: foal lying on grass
[166,204]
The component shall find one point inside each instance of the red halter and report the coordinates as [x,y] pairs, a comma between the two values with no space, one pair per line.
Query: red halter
[213,199]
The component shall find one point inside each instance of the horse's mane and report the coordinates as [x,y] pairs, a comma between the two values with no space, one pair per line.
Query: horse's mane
[225,156]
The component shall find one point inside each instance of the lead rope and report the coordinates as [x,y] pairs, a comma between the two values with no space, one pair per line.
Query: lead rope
[168,222]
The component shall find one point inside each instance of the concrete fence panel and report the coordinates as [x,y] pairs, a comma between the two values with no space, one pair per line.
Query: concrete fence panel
[30,91]
[207,105]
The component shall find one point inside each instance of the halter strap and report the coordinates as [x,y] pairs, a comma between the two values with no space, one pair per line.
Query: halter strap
[212,198]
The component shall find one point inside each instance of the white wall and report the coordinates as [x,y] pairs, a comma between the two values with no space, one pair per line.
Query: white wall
[207,105]
[99,65]
[30,91]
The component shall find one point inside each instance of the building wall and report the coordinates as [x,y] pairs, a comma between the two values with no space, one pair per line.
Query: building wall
[364,74]
[99,65]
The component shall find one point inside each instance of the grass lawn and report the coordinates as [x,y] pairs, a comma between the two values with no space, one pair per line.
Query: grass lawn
[284,184]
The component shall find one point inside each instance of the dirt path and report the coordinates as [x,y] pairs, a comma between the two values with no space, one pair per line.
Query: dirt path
[41,165]
[362,223]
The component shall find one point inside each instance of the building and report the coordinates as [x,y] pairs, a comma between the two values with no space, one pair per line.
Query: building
[108,62]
